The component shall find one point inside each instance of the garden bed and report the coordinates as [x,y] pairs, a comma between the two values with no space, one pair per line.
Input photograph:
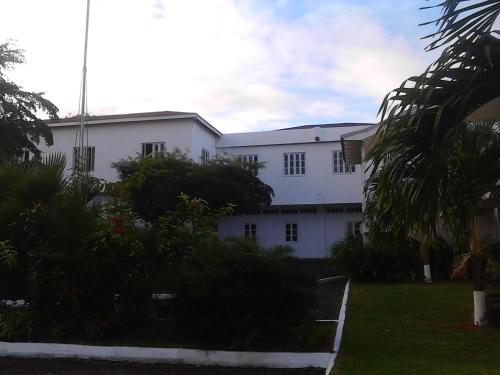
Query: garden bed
[310,336]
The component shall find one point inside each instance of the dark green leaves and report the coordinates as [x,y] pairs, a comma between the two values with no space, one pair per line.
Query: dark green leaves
[20,128]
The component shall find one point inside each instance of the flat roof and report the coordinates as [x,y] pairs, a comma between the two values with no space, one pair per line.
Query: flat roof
[296,135]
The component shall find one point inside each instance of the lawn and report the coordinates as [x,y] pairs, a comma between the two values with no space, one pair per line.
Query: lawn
[415,329]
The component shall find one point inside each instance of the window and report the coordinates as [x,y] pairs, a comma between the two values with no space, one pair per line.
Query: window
[339,166]
[89,158]
[205,156]
[354,228]
[295,164]
[153,149]
[248,159]
[249,162]
[270,212]
[291,233]
[334,210]
[354,209]
[251,230]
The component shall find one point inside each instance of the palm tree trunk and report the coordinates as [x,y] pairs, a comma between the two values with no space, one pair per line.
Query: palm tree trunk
[477,276]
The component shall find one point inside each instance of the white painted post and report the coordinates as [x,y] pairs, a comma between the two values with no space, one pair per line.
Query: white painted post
[480,308]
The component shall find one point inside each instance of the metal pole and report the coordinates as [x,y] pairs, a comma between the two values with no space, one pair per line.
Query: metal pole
[82,156]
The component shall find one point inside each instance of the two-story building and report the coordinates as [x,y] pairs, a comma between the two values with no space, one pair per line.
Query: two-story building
[317,196]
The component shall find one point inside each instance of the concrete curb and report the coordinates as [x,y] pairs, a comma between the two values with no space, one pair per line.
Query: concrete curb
[163,355]
[332,278]
[340,329]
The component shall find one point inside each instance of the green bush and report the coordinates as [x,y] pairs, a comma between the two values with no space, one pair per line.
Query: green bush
[153,185]
[493,308]
[387,261]
[234,292]
[87,275]
[67,260]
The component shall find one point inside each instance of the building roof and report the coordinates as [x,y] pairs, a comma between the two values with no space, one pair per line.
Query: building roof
[121,116]
[336,125]
[132,117]
[297,135]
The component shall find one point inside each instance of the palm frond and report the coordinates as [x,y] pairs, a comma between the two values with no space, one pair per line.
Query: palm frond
[461,20]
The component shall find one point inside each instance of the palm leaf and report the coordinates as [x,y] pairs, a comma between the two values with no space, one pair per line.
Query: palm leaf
[461,20]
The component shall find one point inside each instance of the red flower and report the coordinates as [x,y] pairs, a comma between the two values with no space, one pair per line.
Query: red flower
[194,204]
[116,219]
[119,230]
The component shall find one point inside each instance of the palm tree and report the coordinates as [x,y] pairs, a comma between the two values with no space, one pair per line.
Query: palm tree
[423,119]
[472,177]
[407,209]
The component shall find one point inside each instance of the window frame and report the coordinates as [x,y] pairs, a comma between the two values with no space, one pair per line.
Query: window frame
[291,232]
[204,156]
[297,163]
[249,162]
[154,153]
[250,230]
[338,163]
[89,166]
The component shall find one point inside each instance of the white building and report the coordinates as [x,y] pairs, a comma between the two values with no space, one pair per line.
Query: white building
[317,197]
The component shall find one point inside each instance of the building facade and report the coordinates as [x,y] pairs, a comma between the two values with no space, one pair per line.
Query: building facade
[318,198]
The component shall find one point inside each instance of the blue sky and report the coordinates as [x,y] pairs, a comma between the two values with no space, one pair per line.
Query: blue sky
[243,65]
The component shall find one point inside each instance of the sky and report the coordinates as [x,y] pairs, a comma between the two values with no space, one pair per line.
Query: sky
[243,65]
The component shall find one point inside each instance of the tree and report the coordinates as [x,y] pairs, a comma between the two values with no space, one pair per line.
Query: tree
[20,128]
[423,119]
[392,214]
[154,184]
[472,177]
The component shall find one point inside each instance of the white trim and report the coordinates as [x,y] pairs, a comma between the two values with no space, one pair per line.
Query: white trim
[136,119]
[162,355]
[340,328]
[332,278]
[479,297]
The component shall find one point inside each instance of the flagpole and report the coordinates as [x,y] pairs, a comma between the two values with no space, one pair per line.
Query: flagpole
[82,157]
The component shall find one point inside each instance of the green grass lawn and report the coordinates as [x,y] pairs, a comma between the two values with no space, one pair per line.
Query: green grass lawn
[415,329]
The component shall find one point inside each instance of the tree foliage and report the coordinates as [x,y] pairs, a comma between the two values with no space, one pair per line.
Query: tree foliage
[20,127]
[439,166]
[154,185]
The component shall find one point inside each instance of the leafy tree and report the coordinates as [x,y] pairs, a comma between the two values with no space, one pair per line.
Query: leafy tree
[20,128]
[154,185]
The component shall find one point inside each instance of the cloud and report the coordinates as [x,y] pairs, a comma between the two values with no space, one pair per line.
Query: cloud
[239,64]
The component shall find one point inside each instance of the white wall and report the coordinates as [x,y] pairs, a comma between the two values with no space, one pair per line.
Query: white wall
[316,232]
[201,137]
[119,140]
[318,185]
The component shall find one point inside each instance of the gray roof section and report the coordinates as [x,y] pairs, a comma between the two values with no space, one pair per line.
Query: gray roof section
[336,125]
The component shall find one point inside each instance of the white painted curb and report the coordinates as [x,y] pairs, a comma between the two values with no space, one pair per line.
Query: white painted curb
[160,355]
[332,278]
[340,328]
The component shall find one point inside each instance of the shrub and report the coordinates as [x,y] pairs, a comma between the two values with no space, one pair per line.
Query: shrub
[493,308]
[86,274]
[388,261]
[233,291]
[153,185]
